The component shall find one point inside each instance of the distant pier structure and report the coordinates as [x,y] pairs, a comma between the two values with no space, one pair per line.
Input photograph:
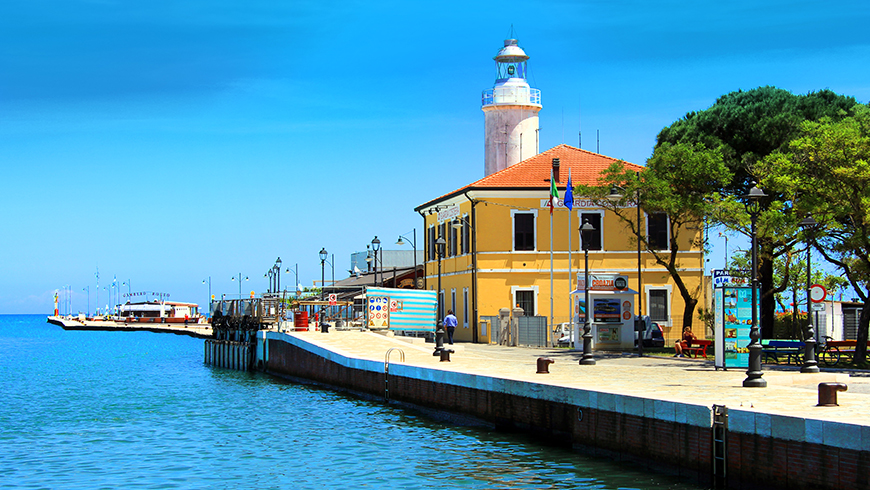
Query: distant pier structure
[511,111]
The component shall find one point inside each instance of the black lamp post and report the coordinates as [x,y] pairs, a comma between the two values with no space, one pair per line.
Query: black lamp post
[376,245]
[753,373]
[413,244]
[440,244]
[586,235]
[271,275]
[810,363]
[323,255]
[614,196]
[277,268]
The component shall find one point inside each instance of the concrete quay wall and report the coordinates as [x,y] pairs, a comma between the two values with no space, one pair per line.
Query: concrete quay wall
[763,450]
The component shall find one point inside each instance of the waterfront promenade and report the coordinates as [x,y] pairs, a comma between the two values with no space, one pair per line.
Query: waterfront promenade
[682,380]
[654,412]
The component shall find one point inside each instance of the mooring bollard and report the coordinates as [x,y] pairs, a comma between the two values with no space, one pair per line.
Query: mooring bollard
[828,394]
[445,355]
[544,365]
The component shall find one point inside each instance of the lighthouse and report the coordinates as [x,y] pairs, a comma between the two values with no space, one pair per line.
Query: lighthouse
[511,111]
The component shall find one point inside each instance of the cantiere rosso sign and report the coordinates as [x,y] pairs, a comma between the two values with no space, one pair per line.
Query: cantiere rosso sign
[603,282]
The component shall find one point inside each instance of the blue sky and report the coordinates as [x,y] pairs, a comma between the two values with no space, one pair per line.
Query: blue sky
[168,142]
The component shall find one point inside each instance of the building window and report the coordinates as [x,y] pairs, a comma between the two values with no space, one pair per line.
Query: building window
[465,307]
[524,231]
[453,300]
[657,230]
[442,233]
[594,220]
[431,244]
[454,238]
[657,305]
[526,300]
[466,232]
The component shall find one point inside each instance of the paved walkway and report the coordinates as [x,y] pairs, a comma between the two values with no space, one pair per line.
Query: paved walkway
[673,379]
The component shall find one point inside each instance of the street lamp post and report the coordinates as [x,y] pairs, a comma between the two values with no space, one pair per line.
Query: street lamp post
[753,373]
[810,363]
[295,272]
[323,255]
[614,196]
[271,275]
[413,244]
[376,245]
[277,269]
[586,235]
[209,294]
[440,244]
[240,283]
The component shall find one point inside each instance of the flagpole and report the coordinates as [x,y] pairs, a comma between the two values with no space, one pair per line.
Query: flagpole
[552,191]
[570,274]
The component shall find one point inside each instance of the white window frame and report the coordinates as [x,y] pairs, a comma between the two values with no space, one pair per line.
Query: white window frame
[669,299]
[514,290]
[534,213]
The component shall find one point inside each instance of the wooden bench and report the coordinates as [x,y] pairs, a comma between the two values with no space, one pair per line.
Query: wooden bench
[846,347]
[700,349]
[792,350]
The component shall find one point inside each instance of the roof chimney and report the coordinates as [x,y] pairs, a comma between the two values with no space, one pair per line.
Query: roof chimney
[556,169]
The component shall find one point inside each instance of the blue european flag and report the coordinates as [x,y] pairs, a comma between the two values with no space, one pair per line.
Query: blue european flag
[569,196]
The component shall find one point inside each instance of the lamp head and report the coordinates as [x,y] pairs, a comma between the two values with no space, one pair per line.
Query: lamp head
[440,243]
[456,223]
[586,233]
[278,262]
[752,198]
[614,194]
[808,222]
[400,241]
[323,254]
[376,244]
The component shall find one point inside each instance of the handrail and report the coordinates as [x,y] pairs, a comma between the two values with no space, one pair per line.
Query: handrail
[387,370]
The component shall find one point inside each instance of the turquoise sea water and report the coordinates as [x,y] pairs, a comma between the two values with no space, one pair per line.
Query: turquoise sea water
[140,410]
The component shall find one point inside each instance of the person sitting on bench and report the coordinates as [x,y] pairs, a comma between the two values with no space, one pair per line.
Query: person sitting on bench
[688,338]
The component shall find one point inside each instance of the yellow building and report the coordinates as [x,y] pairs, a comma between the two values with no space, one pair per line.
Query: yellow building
[498,247]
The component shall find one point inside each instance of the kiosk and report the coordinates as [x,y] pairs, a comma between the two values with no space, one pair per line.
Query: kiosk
[612,302]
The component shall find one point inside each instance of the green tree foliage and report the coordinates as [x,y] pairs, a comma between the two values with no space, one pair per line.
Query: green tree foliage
[747,126]
[677,180]
[827,170]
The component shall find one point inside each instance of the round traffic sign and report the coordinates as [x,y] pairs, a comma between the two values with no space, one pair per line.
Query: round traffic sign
[817,293]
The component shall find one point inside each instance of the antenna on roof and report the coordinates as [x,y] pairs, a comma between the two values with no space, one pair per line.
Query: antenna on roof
[579,126]
[598,141]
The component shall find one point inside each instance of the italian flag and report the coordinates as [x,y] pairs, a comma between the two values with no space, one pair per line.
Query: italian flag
[554,194]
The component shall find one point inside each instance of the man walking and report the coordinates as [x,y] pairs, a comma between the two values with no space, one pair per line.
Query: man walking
[450,323]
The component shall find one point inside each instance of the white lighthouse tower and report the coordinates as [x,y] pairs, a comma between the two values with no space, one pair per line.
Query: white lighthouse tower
[511,109]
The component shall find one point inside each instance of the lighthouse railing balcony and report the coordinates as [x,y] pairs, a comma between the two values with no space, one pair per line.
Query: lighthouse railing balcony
[511,95]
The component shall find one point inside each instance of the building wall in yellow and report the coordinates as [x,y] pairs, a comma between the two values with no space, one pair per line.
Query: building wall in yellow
[502,271]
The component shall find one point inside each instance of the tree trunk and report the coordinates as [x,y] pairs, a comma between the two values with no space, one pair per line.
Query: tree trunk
[688,312]
[768,296]
[863,323]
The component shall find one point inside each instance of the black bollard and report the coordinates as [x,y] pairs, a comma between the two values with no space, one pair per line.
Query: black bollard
[445,355]
[544,365]
[439,339]
[828,394]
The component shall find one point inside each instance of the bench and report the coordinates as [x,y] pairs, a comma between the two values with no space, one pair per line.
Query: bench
[791,350]
[700,349]
[846,347]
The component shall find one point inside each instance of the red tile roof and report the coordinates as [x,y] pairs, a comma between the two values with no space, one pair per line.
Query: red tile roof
[534,172]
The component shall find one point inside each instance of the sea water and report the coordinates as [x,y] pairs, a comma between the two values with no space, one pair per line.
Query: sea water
[141,410]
